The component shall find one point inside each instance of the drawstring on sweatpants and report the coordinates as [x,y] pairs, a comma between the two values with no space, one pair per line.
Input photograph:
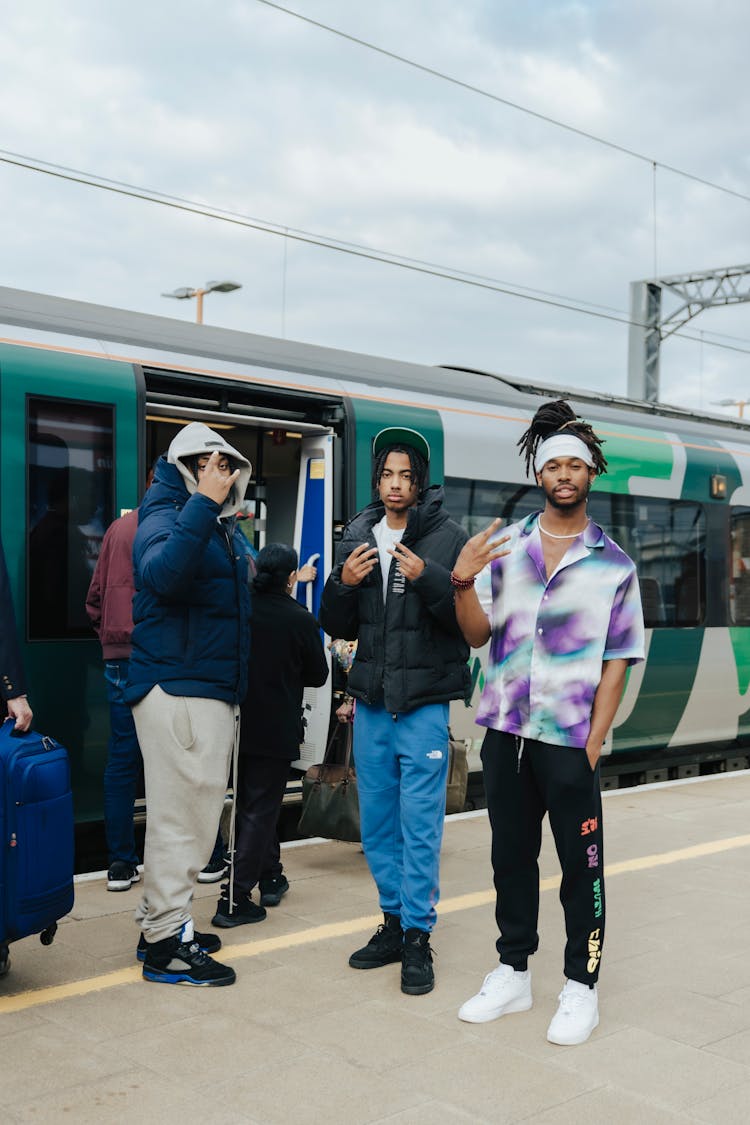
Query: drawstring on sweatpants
[233,813]
[520,742]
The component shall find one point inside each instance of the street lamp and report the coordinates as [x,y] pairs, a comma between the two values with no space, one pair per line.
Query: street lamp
[741,403]
[210,287]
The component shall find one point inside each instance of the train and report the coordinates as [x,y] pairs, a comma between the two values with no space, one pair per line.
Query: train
[90,396]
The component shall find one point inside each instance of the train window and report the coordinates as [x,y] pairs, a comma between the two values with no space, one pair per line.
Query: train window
[666,539]
[70,458]
[739,578]
[475,503]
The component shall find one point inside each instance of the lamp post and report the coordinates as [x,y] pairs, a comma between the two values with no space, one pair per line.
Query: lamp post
[740,403]
[185,293]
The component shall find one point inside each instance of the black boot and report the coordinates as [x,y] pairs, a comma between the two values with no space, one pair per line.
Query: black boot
[384,947]
[417,976]
[243,911]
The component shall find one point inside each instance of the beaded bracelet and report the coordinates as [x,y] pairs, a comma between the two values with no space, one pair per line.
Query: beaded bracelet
[461,583]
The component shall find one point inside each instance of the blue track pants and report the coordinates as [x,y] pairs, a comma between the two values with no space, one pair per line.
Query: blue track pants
[402,766]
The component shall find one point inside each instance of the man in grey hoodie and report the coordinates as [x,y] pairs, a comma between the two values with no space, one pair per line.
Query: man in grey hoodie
[186,678]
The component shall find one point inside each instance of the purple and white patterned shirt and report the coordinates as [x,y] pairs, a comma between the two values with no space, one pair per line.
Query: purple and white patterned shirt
[550,637]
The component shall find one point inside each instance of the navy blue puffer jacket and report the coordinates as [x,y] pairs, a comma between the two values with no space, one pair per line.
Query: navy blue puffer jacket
[192,603]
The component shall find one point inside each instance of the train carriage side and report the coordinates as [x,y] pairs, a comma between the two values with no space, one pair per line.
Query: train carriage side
[70,447]
[77,433]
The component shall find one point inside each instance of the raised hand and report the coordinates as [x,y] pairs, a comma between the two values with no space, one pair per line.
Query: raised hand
[359,564]
[213,479]
[478,551]
[410,565]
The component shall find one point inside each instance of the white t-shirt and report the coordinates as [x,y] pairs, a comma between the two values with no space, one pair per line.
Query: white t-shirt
[386,538]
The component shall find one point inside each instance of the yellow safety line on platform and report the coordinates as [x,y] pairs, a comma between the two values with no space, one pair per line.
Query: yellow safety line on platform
[25,1000]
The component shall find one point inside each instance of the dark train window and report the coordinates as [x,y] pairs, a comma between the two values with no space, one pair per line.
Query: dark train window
[666,539]
[475,503]
[739,575]
[70,458]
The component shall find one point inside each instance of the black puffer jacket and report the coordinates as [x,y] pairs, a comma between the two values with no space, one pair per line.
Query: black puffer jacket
[410,651]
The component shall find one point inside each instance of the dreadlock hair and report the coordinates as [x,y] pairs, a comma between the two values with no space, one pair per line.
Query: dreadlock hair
[416,461]
[555,418]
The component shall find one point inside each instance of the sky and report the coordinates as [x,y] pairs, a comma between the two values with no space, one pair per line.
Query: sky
[245,109]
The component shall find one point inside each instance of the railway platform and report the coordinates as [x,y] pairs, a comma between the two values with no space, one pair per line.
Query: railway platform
[302,1037]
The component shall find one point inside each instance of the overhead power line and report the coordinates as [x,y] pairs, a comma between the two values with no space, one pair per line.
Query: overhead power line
[147,195]
[414,265]
[435,73]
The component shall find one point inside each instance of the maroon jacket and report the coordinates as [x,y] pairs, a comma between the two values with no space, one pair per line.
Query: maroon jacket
[109,603]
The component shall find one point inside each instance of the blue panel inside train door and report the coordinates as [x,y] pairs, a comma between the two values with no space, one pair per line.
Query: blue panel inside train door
[313,539]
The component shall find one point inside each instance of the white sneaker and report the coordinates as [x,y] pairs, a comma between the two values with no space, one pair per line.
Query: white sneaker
[504,990]
[577,1015]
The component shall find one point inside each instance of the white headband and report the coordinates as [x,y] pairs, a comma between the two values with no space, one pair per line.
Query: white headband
[562,445]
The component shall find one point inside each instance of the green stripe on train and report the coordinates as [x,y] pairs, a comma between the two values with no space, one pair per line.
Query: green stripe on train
[633,451]
[667,683]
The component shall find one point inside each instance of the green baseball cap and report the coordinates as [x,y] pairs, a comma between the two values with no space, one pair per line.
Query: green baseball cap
[398,435]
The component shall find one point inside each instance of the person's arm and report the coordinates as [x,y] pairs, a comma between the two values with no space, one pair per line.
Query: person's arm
[94,596]
[433,584]
[606,702]
[476,555]
[168,554]
[339,604]
[12,685]
[314,663]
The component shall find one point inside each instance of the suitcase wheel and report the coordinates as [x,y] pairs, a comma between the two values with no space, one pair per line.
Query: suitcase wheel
[47,936]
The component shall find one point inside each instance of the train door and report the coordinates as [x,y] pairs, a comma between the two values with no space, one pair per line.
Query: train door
[313,540]
[69,437]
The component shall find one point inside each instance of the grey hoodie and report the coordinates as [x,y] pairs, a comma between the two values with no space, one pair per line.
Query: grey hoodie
[195,439]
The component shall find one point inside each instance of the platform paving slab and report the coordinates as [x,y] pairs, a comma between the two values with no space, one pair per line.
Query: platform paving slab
[301,1036]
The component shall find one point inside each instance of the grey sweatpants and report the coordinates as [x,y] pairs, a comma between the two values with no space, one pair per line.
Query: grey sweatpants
[187,749]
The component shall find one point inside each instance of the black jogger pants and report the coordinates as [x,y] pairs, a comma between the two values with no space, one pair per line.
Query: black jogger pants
[523,780]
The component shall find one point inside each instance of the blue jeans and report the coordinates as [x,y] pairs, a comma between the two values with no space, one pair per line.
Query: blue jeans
[402,766]
[122,769]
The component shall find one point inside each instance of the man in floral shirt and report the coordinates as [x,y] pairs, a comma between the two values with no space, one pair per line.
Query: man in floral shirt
[561,603]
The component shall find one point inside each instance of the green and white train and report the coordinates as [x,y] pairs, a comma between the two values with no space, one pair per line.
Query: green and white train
[89,396]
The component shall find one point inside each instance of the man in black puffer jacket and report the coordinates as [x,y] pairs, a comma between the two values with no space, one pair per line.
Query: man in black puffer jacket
[391,591]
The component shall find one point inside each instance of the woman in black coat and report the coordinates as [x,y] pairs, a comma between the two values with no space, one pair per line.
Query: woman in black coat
[286,655]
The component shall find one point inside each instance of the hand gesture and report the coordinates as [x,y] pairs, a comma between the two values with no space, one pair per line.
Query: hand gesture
[479,551]
[410,565]
[359,564]
[214,482]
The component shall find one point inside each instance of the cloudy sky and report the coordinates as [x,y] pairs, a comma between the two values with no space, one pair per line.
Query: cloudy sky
[244,109]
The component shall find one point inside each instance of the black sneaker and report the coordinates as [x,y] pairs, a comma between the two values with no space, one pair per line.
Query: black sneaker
[271,890]
[207,943]
[243,912]
[384,947]
[214,870]
[122,875]
[4,960]
[417,976]
[172,961]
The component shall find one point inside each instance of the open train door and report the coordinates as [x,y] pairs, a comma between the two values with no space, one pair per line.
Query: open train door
[313,540]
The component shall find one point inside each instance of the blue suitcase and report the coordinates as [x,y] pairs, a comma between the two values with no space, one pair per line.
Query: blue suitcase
[36,833]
